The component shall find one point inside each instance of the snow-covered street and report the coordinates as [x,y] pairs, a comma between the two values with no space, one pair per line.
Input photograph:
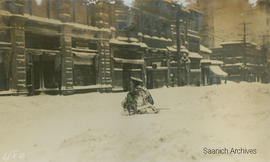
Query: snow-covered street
[90,127]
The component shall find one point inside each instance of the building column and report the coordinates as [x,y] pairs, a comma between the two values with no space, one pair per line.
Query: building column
[65,10]
[66,60]
[169,69]
[144,77]
[103,13]
[18,58]
[5,51]
[112,66]
[105,77]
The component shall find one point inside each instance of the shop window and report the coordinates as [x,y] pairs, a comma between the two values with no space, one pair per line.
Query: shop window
[93,46]
[84,75]
[195,64]
[118,78]
[38,41]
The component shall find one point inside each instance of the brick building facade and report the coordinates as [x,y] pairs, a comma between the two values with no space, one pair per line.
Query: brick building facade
[69,46]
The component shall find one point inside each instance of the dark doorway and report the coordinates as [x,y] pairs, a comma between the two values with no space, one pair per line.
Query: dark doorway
[45,73]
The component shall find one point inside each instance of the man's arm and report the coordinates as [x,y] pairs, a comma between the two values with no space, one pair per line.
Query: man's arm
[149,98]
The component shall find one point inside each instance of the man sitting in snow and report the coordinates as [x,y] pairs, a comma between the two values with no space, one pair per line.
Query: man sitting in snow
[138,100]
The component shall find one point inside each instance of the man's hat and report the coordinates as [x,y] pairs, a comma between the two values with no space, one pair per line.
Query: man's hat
[136,79]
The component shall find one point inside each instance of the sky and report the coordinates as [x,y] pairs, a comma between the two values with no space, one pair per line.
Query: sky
[38,2]
[128,2]
[253,2]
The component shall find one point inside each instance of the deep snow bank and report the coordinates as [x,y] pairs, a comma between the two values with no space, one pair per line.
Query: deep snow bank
[90,127]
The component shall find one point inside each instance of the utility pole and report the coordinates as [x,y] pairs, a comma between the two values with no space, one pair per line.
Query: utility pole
[178,44]
[265,56]
[244,49]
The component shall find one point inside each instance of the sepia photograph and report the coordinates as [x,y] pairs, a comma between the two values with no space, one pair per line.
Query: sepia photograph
[134,80]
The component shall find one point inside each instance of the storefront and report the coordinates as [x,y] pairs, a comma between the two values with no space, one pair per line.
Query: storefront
[43,63]
[195,68]
[127,61]
[124,69]
[43,71]
[212,72]
[84,69]
[234,71]
[216,74]
[157,71]
[157,77]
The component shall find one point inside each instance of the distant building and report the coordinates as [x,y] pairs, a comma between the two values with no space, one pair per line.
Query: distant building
[264,5]
[241,62]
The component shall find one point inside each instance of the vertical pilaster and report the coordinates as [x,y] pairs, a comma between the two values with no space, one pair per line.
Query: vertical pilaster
[64,13]
[105,66]
[65,10]
[112,66]
[169,69]
[67,63]
[102,14]
[18,59]
[5,53]
[144,77]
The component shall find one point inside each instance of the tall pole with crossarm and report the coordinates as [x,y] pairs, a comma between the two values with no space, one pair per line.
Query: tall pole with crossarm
[178,44]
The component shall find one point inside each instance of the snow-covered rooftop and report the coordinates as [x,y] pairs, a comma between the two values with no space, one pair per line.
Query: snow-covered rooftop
[237,42]
[119,42]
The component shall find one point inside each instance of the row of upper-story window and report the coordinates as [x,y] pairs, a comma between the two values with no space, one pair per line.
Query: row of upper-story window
[160,25]
[78,10]
[88,15]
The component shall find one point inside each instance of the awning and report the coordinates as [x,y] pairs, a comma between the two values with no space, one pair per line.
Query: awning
[124,43]
[129,61]
[205,49]
[158,68]
[41,51]
[195,70]
[81,58]
[158,49]
[184,49]
[194,55]
[236,64]
[216,70]
[172,49]
[213,62]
